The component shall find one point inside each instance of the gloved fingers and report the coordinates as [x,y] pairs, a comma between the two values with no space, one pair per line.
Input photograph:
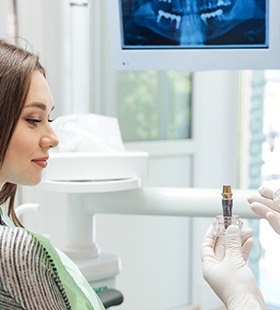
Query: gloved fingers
[260,209]
[263,200]
[270,193]
[246,248]
[273,220]
[276,197]
[246,234]
[254,197]
[233,242]
[208,244]
[220,248]
[266,191]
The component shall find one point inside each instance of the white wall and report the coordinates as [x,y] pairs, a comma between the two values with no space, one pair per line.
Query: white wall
[46,27]
[7,20]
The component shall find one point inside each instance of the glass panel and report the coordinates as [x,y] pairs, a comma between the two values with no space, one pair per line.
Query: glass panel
[154,105]
[269,263]
[255,156]
[271,147]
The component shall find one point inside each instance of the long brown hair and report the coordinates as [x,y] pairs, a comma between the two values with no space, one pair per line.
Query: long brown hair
[16,68]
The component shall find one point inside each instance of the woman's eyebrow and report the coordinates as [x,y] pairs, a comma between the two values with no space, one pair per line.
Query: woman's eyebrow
[39,105]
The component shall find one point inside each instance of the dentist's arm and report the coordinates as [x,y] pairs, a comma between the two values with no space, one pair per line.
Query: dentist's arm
[225,269]
[266,204]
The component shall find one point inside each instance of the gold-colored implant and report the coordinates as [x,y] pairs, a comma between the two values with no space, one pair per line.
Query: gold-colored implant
[227,193]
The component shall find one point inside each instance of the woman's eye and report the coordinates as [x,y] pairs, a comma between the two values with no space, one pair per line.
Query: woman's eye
[33,121]
[50,120]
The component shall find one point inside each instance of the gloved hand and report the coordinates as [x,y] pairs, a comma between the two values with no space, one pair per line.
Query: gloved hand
[225,269]
[266,204]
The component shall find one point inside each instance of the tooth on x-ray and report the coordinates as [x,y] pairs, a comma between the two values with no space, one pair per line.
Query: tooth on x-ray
[191,22]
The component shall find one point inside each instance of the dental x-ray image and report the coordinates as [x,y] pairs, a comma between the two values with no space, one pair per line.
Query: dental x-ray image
[194,23]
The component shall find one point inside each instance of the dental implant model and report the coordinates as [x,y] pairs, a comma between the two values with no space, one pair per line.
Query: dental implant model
[222,222]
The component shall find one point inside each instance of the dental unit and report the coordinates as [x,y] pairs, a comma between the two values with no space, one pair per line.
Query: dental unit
[107,180]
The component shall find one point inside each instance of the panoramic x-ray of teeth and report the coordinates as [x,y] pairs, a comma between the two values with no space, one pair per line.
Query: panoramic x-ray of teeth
[194,23]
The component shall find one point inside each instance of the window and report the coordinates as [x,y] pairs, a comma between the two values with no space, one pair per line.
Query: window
[154,105]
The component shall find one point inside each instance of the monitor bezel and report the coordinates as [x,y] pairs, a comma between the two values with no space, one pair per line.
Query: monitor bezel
[194,59]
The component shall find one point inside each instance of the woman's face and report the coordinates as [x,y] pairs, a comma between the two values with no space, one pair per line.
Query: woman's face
[27,153]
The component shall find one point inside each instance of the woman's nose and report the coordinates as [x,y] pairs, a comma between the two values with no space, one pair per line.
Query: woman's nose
[54,141]
[49,140]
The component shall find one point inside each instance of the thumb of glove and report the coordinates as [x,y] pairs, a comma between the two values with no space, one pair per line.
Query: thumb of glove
[233,243]
[276,197]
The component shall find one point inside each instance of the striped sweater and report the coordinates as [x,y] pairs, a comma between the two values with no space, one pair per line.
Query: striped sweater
[28,279]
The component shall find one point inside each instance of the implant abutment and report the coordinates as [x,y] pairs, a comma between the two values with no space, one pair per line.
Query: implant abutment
[227,192]
[227,218]
[227,205]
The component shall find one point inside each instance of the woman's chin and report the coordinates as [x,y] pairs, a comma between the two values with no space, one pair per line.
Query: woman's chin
[33,182]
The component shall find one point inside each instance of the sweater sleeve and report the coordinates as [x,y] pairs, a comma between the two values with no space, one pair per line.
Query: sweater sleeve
[27,280]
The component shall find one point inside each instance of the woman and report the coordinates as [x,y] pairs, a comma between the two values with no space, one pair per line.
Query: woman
[33,275]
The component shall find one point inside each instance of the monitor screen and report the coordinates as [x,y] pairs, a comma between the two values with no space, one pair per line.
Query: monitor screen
[194,24]
[195,35]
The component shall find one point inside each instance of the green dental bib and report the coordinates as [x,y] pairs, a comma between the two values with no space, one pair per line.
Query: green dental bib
[80,294]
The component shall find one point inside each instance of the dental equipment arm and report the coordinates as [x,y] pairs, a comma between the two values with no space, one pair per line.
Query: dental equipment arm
[225,269]
[266,204]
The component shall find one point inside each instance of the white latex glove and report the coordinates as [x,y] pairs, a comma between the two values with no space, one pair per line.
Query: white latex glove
[225,269]
[266,204]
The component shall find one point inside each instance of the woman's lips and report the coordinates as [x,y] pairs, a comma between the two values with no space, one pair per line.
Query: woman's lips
[41,162]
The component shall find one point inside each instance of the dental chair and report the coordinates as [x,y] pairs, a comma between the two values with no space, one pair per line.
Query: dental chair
[110,297]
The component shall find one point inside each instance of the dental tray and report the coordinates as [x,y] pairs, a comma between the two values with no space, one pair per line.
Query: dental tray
[96,166]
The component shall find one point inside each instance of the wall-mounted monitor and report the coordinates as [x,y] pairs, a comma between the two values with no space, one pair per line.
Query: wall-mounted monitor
[194,35]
